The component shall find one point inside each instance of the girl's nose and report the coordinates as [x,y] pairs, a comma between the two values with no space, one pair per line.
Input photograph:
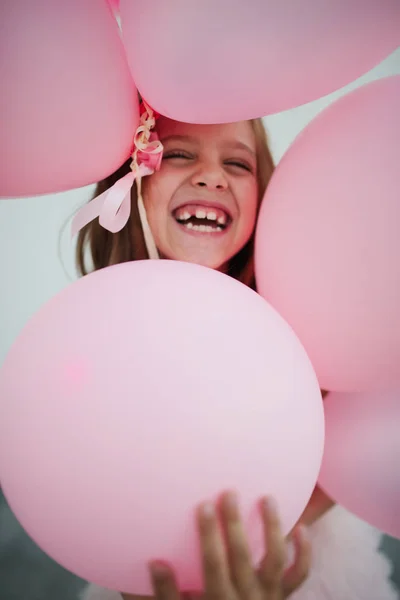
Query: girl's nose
[212,178]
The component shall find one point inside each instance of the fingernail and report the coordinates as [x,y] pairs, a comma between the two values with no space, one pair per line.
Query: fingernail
[271,505]
[207,510]
[159,569]
[231,500]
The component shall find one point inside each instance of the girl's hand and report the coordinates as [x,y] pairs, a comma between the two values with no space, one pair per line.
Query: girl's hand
[227,567]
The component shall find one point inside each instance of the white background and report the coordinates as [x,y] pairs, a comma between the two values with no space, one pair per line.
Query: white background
[37,257]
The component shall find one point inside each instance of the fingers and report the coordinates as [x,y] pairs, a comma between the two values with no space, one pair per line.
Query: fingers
[298,571]
[241,569]
[215,566]
[226,558]
[225,555]
[163,581]
[273,564]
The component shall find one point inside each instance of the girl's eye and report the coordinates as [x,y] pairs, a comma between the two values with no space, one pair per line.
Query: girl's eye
[177,154]
[241,165]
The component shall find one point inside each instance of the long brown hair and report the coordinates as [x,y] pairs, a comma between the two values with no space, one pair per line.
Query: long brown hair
[107,248]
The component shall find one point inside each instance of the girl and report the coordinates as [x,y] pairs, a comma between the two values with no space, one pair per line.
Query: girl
[201,206]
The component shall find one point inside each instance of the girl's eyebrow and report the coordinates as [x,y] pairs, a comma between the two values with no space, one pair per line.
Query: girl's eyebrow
[236,145]
[179,138]
[230,144]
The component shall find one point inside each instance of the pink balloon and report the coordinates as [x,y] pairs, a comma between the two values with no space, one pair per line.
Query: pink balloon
[140,391]
[114,5]
[68,105]
[328,244]
[360,467]
[228,60]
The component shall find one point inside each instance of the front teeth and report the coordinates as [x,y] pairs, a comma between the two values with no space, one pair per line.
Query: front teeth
[210,216]
[217,219]
[202,214]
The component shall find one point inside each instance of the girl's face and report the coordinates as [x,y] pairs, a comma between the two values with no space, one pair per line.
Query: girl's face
[202,204]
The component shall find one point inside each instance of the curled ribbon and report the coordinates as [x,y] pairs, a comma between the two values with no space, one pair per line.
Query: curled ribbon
[113,207]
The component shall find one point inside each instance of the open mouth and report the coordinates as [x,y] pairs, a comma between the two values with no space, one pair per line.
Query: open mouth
[202,219]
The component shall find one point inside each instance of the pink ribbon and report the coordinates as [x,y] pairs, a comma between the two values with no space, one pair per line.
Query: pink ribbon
[113,207]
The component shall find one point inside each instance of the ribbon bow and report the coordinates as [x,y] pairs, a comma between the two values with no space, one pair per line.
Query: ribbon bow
[113,207]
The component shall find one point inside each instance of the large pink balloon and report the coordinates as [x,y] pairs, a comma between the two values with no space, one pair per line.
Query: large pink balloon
[360,468]
[138,392]
[228,60]
[114,5]
[68,105]
[328,243]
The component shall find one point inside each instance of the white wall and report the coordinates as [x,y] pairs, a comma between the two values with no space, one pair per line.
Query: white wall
[31,271]
[31,268]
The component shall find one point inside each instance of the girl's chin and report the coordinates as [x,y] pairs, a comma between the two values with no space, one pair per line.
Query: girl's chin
[208,250]
[203,259]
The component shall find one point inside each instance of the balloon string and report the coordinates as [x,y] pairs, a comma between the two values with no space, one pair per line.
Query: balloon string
[147,234]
